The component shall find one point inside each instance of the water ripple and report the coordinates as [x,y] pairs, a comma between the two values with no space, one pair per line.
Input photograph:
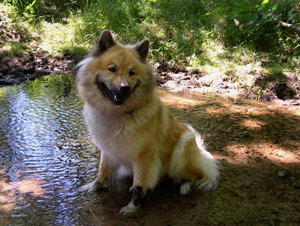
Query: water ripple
[45,153]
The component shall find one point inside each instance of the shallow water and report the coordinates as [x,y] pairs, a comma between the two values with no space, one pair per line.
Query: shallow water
[45,154]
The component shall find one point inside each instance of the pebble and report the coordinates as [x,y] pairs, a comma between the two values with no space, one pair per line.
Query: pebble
[271,223]
[170,84]
[283,174]
[275,211]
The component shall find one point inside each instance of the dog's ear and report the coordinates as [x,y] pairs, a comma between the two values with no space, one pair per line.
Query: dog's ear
[143,48]
[103,42]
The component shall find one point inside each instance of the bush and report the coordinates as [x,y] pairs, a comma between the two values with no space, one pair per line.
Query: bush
[256,25]
[180,30]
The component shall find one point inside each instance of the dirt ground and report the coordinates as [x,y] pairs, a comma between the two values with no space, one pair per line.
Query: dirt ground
[283,88]
[15,70]
[258,146]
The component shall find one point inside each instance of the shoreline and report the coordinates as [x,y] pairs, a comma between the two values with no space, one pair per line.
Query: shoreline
[17,69]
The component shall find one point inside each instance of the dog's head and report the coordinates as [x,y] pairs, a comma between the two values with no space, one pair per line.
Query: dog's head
[114,72]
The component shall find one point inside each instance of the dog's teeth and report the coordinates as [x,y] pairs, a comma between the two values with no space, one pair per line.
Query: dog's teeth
[115,97]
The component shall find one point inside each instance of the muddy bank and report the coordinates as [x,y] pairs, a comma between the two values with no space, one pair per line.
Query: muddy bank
[285,89]
[14,70]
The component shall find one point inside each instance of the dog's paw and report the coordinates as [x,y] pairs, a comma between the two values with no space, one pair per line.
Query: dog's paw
[185,188]
[90,187]
[129,209]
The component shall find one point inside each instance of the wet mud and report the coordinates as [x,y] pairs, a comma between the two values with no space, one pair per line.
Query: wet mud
[17,69]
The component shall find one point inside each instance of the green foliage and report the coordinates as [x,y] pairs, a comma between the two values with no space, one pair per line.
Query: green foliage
[29,12]
[47,9]
[253,23]
[181,31]
[12,49]
[256,24]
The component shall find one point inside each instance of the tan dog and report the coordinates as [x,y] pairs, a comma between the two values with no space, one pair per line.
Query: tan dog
[133,128]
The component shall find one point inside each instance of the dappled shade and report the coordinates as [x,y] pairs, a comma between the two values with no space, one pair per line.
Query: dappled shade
[47,156]
[9,199]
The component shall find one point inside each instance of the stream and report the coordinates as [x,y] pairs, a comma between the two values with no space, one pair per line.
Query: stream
[45,154]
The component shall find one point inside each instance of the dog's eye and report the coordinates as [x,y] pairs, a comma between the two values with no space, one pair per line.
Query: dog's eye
[131,72]
[112,69]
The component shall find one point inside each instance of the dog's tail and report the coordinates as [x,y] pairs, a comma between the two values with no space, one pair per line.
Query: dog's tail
[206,164]
[194,164]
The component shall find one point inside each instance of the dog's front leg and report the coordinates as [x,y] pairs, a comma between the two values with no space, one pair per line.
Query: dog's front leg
[146,172]
[104,172]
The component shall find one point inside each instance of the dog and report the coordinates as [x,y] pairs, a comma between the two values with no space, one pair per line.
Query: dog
[131,126]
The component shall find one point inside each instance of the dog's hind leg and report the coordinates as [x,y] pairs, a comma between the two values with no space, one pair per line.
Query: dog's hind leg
[201,173]
[202,164]
[104,172]
[192,164]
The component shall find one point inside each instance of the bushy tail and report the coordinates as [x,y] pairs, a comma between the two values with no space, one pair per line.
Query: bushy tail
[207,164]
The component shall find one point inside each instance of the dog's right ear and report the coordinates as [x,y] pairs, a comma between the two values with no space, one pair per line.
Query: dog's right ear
[103,43]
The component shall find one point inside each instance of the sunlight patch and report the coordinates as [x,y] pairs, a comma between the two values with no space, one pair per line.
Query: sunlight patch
[281,155]
[215,110]
[30,186]
[253,124]
[8,207]
[9,190]
[249,154]
[179,100]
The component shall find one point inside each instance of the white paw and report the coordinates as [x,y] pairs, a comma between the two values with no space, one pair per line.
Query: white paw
[206,185]
[130,208]
[90,187]
[185,188]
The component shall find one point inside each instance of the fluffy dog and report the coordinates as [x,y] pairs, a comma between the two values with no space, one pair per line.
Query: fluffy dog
[133,128]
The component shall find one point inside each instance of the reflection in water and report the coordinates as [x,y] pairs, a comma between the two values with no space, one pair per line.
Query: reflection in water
[44,153]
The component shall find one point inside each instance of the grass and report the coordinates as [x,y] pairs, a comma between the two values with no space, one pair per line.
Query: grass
[233,38]
[13,49]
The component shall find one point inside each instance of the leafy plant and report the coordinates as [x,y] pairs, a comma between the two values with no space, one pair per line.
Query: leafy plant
[179,30]
[29,12]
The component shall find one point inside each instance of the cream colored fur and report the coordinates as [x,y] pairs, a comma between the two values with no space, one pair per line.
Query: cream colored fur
[141,134]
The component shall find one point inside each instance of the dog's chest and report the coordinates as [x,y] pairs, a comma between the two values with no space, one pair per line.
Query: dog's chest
[117,138]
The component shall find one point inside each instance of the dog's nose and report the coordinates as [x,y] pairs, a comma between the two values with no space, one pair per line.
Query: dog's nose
[124,90]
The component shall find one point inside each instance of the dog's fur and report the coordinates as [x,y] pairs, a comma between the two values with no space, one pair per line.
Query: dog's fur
[133,128]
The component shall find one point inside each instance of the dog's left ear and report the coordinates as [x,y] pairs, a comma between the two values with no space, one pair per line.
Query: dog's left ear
[103,42]
[143,48]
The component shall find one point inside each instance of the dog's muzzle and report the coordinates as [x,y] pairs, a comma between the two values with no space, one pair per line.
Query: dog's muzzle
[117,96]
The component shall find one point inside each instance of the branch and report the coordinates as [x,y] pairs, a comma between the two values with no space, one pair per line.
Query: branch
[295,28]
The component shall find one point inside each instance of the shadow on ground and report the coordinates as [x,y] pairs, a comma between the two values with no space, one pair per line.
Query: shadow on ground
[258,147]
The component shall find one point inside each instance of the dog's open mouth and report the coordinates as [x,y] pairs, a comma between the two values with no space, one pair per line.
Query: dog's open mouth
[117,98]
